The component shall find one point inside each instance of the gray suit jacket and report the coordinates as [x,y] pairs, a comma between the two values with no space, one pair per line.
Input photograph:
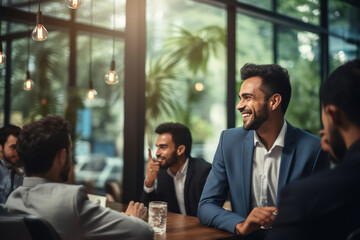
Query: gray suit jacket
[68,209]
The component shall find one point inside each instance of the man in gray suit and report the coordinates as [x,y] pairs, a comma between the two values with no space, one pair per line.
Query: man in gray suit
[45,148]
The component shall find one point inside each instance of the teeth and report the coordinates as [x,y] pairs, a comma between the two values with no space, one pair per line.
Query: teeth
[246,115]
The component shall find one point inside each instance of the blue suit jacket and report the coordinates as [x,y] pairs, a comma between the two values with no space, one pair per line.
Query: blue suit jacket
[232,168]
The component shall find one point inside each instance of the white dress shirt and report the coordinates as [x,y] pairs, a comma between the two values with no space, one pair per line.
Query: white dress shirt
[179,184]
[265,170]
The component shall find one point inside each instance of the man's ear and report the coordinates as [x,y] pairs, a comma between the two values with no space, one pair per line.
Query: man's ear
[61,156]
[334,114]
[180,150]
[275,101]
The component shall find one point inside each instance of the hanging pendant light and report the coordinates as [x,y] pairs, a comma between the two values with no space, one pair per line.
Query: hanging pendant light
[2,54]
[112,77]
[39,33]
[74,4]
[92,92]
[28,84]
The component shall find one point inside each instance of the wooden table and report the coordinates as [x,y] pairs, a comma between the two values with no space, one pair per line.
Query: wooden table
[183,227]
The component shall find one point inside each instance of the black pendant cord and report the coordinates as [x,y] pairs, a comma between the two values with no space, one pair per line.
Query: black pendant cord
[0,23]
[28,43]
[90,47]
[113,57]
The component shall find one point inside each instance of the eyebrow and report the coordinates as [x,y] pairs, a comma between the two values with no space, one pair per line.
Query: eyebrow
[162,145]
[246,94]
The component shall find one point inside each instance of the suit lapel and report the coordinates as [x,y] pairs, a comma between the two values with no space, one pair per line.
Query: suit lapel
[287,157]
[247,159]
[189,174]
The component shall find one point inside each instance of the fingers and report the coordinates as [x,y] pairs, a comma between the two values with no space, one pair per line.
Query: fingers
[149,153]
[263,216]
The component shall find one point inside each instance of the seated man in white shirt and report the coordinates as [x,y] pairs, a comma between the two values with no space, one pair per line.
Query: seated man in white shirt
[45,149]
[174,176]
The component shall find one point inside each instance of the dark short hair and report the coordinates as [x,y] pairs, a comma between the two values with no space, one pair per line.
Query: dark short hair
[40,141]
[275,79]
[180,134]
[8,130]
[342,89]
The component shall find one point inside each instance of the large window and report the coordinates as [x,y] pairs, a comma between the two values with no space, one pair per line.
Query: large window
[188,62]
[191,91]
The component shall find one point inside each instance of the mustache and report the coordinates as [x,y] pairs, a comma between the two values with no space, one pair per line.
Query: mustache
[246,110]
[159,158]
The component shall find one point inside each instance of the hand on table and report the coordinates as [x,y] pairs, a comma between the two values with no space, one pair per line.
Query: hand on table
[152,170]
[137,209]
[259,216]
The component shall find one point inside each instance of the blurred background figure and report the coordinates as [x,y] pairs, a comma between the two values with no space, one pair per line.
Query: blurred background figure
[11,170]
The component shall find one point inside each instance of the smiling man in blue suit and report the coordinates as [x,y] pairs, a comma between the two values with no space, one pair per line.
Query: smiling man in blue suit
[254,162]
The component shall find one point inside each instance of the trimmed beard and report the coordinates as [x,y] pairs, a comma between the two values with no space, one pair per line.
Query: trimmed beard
[337,144]
[259,117]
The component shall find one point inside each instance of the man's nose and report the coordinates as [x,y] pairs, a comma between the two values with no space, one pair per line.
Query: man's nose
[157,152]
[240,106]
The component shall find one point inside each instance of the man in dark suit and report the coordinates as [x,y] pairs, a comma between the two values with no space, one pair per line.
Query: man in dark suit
[256,161]
[174,176]
[326,206]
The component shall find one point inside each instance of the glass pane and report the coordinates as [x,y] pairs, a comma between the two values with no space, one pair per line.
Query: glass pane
[57,9]
[191,35]
[48,69]
[103,14]
[341,52]
[307,11]
[298,52]
[2,87]
[266,4]
[99,149]
[255,49]
[344,19]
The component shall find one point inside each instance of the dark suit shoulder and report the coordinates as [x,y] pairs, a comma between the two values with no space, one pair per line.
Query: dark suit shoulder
[199,162]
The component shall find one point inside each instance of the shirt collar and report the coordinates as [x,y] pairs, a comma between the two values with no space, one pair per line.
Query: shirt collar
[181,172]
[33,181]
[280,140]
[5,163]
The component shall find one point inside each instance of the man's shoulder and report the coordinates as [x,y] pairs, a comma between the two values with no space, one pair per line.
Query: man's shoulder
[199,165]
[236,133]
[51,188]
[300,136]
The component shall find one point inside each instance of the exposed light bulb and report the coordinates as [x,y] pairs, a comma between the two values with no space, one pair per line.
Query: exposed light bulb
[39,33]
[91,94]
[2,57]
[199,87]
[28,84]
[112,77]
[74,4]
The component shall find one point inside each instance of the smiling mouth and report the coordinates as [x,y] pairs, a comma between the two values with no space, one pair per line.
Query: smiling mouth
[159,159]
[246,115]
